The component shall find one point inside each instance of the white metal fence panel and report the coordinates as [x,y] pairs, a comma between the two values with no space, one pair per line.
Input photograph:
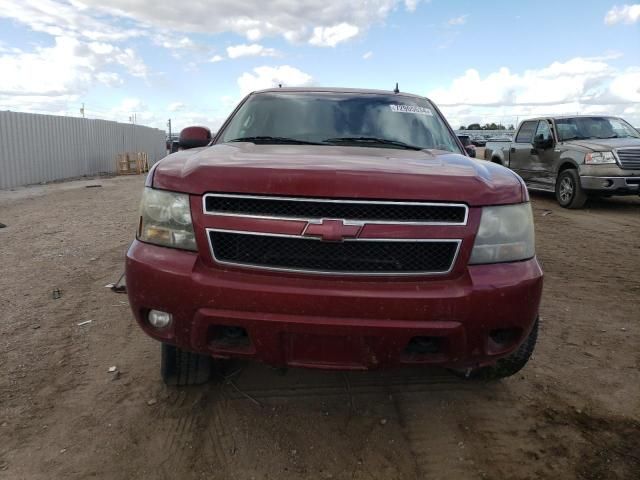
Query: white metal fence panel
[40,148]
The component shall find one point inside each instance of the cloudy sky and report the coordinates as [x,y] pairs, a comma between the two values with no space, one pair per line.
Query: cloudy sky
[192,61]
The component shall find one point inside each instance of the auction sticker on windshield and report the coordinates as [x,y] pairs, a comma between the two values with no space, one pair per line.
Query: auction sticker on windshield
[411,109]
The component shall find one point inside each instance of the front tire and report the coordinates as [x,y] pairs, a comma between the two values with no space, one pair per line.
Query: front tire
[179,367]
[507,366]
[569,192]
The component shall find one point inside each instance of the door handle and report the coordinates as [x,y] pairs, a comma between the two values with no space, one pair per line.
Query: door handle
[513,149]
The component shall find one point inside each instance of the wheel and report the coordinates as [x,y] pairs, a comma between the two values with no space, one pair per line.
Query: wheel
[507,366]
[179,367]
[569,192]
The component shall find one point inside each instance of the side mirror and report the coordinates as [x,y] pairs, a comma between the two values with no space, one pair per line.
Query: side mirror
[541,143]
[194,137]
[471,151]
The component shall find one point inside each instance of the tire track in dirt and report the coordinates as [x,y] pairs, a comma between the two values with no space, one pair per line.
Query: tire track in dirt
[193,434]
[434,434]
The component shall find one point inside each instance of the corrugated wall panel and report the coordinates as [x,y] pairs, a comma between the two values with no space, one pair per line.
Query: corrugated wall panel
[41,148]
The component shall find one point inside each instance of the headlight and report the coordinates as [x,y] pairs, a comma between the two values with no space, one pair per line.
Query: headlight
[505,235]
[599,157]
[165,219]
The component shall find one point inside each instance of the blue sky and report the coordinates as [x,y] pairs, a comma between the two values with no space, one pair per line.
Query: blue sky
[192,61]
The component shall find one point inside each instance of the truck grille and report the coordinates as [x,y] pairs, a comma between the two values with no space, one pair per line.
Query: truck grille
[363,256]
[369,211]
[629,158]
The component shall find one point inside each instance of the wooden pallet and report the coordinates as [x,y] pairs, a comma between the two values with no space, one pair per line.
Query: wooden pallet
[132,163]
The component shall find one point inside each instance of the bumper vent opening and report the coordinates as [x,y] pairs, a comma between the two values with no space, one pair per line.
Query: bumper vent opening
[424,346]
[228,337]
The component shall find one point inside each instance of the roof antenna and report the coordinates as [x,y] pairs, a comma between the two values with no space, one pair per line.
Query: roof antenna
[396,90]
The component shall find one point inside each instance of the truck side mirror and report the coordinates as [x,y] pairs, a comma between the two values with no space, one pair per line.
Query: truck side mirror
[194,137]
[471,151]
[540,142]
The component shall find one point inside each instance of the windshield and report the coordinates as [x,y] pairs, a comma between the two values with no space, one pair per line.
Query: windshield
[379,120]
[581,128]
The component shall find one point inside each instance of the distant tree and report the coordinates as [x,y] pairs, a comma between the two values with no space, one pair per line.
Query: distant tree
[462,127]
[474,126]
[511,127]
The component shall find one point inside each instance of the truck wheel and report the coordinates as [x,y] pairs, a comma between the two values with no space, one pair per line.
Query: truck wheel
[569,192]
[179,367]
[507,366]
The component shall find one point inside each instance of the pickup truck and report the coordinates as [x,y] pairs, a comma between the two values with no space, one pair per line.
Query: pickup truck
[576,157]
[334,229]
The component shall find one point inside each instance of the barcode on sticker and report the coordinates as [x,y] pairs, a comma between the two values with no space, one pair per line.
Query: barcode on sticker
[411,109]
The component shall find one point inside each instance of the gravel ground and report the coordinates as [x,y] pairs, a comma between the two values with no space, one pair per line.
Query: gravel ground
[574,412]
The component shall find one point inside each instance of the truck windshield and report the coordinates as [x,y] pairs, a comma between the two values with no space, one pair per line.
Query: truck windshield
[581,128]
[359,120]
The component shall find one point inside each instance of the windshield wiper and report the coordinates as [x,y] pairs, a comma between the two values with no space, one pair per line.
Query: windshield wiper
[575,138]
[268,139]
[373,141]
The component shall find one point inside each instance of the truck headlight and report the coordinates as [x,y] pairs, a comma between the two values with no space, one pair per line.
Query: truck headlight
[165,219]
[599,157]
[505,235]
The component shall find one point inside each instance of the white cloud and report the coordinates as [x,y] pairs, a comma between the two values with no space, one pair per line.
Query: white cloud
[176,106]
[110,79]
[64,19]
[624,14]
[332,36]
[269,77]
[586,85]
[253,50]
[216,59]
[367,55]
[68,67]
[461,20]
[411,5]
[626,86]
[294,20]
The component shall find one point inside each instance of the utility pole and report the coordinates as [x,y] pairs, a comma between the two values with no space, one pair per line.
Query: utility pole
[82,110]
[169,126]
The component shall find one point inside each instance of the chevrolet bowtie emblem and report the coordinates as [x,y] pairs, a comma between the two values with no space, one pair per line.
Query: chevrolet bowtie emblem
[332,230]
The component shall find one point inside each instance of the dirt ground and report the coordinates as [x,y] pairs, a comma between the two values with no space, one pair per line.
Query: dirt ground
[573,412]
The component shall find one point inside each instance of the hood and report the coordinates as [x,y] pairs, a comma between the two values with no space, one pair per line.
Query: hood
[605,144]
[338,172]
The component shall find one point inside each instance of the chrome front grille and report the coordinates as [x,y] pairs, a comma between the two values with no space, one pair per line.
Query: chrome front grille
[629,158]
[367,211]
[352,256]
[330,236]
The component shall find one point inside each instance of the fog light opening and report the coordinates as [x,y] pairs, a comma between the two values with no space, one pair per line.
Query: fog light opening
[159,319]
[502,339]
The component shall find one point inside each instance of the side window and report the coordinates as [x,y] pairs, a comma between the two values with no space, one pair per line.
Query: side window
[543,132]
[525,134]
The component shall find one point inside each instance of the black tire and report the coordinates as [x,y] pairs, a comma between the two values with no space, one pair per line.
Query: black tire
[569,192]
[179,367]
[507,366]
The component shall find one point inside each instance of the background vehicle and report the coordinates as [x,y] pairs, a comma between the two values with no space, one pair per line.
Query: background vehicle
[478,141]
[336,229]
[468,146]
[575,157]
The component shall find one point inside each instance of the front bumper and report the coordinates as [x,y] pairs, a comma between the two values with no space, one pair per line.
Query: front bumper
[612,185]
[334,322]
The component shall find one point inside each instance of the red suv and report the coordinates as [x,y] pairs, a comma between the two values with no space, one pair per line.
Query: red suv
[335,229]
